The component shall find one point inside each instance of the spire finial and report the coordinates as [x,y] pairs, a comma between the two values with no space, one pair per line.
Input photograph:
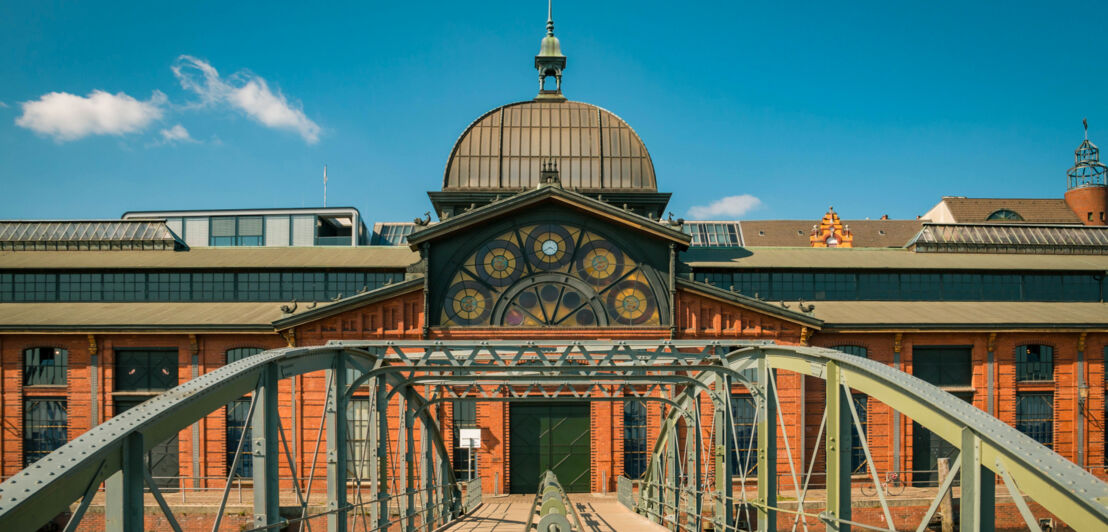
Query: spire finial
[1085,122]
[550,62]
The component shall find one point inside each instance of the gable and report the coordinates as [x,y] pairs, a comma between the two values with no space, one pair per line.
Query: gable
[399,316]
[700,316]
[549,265]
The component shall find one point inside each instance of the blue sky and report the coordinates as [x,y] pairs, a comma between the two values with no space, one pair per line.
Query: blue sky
[873,107]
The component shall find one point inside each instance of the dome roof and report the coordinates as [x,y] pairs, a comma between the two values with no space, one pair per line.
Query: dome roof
[504,149]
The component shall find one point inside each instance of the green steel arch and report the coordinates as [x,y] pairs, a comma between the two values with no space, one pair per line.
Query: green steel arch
[681,373]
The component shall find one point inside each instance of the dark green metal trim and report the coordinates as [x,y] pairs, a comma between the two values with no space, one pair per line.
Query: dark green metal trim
[750,303]
[531,197]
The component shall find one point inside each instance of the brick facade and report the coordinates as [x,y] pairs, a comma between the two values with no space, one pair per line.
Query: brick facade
[203,451]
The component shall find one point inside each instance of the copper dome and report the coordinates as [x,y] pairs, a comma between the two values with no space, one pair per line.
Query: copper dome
[595,150]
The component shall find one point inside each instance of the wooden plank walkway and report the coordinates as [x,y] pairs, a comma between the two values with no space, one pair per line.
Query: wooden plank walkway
[508,513]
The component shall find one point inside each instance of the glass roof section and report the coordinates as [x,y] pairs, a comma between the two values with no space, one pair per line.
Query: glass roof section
[88,235]
[714,234]
[1021,238]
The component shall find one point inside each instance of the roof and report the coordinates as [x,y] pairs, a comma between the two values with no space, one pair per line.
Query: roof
[161,316]
[594,149]
[959,314]
[1032,210]
[748,302]
[542,194]
[881,258]
[795,233]
[1021,238]
[72,235]
[129,215]
[362,257]
[351,302]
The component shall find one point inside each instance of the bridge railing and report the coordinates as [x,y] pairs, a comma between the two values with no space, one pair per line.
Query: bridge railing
[471,497]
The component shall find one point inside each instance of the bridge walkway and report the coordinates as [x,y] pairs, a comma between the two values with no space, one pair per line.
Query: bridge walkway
[508,513]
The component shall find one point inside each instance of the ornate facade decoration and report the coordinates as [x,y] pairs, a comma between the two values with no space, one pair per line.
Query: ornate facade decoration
[831,233]
[551,274]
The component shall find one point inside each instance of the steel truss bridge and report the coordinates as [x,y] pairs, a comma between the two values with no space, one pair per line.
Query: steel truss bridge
[688,486]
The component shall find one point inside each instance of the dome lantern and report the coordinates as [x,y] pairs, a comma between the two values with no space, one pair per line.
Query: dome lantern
[1087,169]
[550,62]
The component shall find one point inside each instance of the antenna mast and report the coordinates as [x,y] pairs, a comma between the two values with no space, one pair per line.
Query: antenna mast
[324,185]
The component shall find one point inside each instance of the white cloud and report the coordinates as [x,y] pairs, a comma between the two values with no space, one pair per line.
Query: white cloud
[727,207]
[3,105]
[177,133]
[246,92]
[67,116]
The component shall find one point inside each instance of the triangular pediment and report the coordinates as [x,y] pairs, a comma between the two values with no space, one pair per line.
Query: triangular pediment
[550,195]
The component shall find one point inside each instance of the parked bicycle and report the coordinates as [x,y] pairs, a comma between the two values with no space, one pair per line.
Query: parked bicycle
[893,485]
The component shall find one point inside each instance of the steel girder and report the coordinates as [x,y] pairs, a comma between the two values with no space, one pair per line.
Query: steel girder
[988,446]
[46,488]
[687,368]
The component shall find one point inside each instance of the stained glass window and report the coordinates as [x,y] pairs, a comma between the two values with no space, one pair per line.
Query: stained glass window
[550,275]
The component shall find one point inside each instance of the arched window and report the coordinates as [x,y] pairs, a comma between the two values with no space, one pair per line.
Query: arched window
[1005,215]
[1034,363]
[238,426]
[45,366]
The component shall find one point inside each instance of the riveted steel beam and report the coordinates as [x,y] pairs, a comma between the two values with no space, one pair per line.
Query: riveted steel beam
[767,449]
[337,446]
[838,451]
[978,486]
[266,456]
[123,504]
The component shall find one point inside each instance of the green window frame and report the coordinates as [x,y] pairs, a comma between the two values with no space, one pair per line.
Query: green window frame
[1034,362]
[635,452]
[45,366]
[145,369]
[1035,416]
[45,427]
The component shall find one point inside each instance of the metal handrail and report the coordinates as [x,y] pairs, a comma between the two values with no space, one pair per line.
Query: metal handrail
[555,507]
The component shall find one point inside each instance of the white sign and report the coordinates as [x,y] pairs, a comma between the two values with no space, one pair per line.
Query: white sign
[470,438]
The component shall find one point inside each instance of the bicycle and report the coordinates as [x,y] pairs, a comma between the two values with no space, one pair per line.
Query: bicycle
[893,485]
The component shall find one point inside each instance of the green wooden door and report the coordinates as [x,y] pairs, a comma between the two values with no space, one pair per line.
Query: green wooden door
[551,436]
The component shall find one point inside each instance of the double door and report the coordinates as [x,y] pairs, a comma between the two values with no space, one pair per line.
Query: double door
[552,436]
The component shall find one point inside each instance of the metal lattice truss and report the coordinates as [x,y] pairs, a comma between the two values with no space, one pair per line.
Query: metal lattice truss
[411,482]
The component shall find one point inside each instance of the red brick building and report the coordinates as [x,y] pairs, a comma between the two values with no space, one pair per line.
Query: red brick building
[550,226]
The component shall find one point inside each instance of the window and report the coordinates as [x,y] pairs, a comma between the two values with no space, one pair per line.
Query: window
[713,234]
[193,286]
[44,427]
[44,366]
[943,366]
[744,452]
[858,453]
[855,350]
[1035,416]
[237,231]
[465,417]
[150,370]
[1005,215]
[1034,363]
[391,234]
[238,426]
[634,439]
[358,464]
[238,429]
